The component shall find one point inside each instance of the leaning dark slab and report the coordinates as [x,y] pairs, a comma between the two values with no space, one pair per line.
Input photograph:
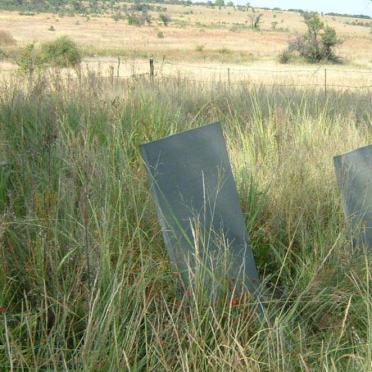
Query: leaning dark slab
[354,177]
[199,212]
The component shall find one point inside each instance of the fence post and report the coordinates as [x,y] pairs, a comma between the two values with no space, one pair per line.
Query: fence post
[151,70]
[325,83]
[112,75]
[118,68]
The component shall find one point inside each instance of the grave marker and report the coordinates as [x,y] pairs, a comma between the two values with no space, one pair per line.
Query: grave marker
[198,209]
[354,176]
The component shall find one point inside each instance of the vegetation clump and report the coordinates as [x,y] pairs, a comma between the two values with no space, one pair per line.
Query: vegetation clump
[28,58]
[317,44]
[164,18]
[255,20]
[62,52]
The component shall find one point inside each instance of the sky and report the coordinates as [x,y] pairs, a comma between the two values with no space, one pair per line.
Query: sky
[339,6]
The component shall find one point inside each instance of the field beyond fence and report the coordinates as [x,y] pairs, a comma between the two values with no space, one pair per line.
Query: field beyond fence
[326,77]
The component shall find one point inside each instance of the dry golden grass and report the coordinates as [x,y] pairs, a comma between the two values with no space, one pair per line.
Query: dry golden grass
[202,37]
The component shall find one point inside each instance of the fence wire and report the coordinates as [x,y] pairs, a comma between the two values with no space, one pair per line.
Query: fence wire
[320,77]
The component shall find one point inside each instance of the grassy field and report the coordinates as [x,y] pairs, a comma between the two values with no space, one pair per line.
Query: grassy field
[190,30]
[73,186]
[85,282]
[200,43]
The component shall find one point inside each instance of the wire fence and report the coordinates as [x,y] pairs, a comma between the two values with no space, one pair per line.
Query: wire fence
[321,77]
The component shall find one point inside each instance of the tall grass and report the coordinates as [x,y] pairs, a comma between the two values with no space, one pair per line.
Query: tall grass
[85,281]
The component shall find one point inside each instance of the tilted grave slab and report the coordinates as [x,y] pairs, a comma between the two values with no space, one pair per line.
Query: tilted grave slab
[199,212]
[354,177]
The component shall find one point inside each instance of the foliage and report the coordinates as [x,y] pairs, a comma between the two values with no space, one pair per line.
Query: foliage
[219,3]
[285,57]
[255,20]
[3,55]
[134,20]
[318,43]
[165,18]
[62,52]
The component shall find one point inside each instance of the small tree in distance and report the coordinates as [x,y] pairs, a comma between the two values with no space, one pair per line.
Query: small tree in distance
[219,3]
[318,43]
[255,20]
[164,18]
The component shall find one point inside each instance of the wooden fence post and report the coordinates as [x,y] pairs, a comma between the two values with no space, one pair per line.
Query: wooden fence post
[118,68]
[151,70]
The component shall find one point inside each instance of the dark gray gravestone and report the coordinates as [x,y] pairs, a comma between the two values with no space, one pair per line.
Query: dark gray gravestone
[199,212]
[354,176]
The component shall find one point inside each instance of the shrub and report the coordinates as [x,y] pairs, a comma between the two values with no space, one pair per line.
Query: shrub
[28,58]
[160,35]
[224,51]
[62,52]
[285,57]
[134,20]
[318,43]
[6,38]
[255,20]
[164,18]
[219,3]
[2,55]
[51,28]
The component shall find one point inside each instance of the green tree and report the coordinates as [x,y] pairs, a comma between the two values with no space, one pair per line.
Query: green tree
[319,41]
[164,18]
[329,40]
[219,3]
[28,58]
[255,20]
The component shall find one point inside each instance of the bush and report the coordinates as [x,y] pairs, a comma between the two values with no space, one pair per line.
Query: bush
[164,18]
[318,43]
[51,28]
[134,20]
[255,20]
[63,52]
[28,58]
[285,57]
[3,55]
[160,35]
[6,38]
